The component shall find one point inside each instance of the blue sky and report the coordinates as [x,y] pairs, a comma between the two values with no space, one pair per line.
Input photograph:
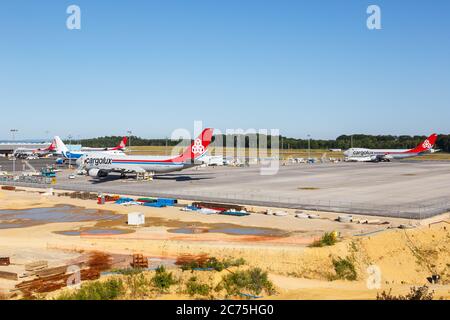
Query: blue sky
[304,67]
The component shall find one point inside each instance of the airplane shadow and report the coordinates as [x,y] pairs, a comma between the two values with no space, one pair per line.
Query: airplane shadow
[109,178]
[181,178]
[175,177]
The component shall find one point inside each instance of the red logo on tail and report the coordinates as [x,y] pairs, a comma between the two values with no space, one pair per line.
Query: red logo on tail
[198,148]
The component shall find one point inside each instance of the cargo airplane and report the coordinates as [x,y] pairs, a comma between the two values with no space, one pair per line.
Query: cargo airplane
[377,155]
[121,146]
[62,150]
[99,165]
[26,152]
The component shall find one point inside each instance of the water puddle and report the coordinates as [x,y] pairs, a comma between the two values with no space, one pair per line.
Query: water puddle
[63,213]
[92,232]
[244,231]
[9,225]
[188,230]
[231,230]
[108,220]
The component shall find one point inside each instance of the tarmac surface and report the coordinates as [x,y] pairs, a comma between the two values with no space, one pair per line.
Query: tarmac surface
[21,165]
[414,189]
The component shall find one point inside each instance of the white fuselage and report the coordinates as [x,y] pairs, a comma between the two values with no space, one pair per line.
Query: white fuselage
[24,152]
[125,163]
[363,154]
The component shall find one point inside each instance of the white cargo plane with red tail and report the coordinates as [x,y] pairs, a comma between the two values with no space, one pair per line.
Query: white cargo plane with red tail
[26,152]
[121,146]
[101,164]
[377,155]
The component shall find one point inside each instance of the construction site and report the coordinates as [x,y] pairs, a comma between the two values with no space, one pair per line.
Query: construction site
[51,240]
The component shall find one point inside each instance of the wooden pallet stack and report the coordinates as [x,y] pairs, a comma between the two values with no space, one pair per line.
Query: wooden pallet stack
[4,261]
[139,261]
[53,279]
[36,265]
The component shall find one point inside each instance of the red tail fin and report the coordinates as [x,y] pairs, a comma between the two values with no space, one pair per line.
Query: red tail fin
[51,147]
[198,147]
[426,145]
[122,144]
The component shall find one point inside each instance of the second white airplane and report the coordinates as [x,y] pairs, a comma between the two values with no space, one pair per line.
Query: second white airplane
[377,155]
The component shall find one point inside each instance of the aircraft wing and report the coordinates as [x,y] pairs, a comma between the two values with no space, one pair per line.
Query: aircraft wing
[133,169]
[105,171]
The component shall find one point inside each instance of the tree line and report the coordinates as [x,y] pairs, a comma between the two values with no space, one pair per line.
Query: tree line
[253,140]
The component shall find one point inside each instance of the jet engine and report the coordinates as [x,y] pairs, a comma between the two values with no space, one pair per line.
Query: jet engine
[98,173]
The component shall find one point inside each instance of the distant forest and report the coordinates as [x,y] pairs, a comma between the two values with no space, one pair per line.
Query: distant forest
[341,142]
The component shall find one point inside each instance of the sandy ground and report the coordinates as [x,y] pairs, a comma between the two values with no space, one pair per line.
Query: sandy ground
[405,257]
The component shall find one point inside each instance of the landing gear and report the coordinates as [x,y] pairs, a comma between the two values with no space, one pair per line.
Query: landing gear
[149,176]
[146,176]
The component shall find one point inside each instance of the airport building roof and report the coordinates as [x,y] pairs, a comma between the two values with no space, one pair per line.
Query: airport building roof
[9,147]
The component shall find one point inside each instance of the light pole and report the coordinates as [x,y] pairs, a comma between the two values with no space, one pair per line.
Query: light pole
[309,147]
[167,139]
[13,132]
[129,132]
[70,153]
[351,141]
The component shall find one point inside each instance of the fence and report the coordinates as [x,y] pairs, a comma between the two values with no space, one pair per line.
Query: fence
[33,180]
[409,211]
